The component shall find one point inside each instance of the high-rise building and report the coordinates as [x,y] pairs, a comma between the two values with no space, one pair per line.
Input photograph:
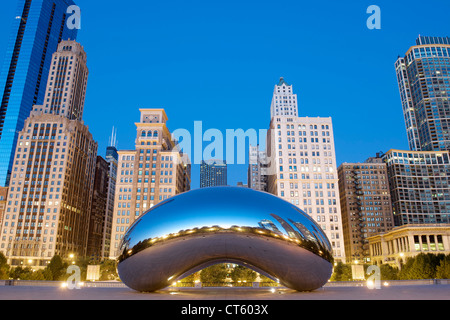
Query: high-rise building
[98,210]
[365,205]
[284,101]
[213,173]
[301,168]
[419,178]
[50,194]
[38,27]
[148,175]
[3,197]
[112,157]
[419,183]
[424,81]
[66,86]
[257,169]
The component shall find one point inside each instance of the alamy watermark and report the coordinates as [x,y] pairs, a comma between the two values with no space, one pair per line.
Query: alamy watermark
[374,21]
[74,20]
[230,145]
[74,280]
[374,280]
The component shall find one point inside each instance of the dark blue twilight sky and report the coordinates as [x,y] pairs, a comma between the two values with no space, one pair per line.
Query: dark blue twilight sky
[218,62]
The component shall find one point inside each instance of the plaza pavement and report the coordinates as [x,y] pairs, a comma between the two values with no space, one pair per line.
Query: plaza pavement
[408,292]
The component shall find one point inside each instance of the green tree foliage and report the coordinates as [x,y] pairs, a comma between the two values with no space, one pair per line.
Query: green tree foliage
[241,273]
[266,279]
[57,268]
[38,275]
[108,270]
[4,267]
[422,266]
[342,272]
[191,278]
[443,269]
[388,272]
[19,273]
[214,274]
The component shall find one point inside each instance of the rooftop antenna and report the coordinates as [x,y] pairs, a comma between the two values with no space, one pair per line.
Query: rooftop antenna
[113,138]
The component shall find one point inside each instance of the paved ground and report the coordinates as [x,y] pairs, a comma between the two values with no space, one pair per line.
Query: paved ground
[409,292]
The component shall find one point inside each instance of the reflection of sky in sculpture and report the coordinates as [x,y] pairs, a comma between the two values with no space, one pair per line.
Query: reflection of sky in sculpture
[225,207]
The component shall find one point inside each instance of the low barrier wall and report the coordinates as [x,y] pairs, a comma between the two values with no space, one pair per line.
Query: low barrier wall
[116,284]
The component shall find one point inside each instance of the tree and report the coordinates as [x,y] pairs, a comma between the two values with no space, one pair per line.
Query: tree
[108,270]
[388,272]
[191,278]
[38,275]
[57,268]
[342,272]
[241,273]
[4,267]
[443,269]
[215,273]
[422,266]
[19,273]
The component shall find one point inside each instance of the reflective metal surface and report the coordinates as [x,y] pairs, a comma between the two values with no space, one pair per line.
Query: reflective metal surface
[202,227]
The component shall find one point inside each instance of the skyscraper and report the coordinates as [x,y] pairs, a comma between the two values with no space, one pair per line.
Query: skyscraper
[213,173]
[66,86]
[112,157]
[424,81]
[148,175]
[98,210]
[419,183]
[419,177]
[365,204]
[52,183]
[301,165]
[257,169]
[284,101]
[38,27]
[3,198]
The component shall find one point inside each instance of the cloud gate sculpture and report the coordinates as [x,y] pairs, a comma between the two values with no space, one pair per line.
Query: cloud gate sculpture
[202,227]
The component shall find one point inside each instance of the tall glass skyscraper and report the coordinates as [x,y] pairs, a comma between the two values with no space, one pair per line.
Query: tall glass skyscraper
[424,80]
[38,27]
[418,178]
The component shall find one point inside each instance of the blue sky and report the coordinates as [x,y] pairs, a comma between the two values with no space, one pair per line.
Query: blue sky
[218,62]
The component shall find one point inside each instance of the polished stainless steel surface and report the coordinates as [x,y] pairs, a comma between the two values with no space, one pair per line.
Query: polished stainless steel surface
[225,224]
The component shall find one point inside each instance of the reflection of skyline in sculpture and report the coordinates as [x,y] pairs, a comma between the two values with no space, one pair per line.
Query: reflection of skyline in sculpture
[290,231]
[269,225]
[206,226]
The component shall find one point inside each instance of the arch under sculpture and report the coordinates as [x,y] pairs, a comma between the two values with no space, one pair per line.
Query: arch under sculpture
[202,227]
